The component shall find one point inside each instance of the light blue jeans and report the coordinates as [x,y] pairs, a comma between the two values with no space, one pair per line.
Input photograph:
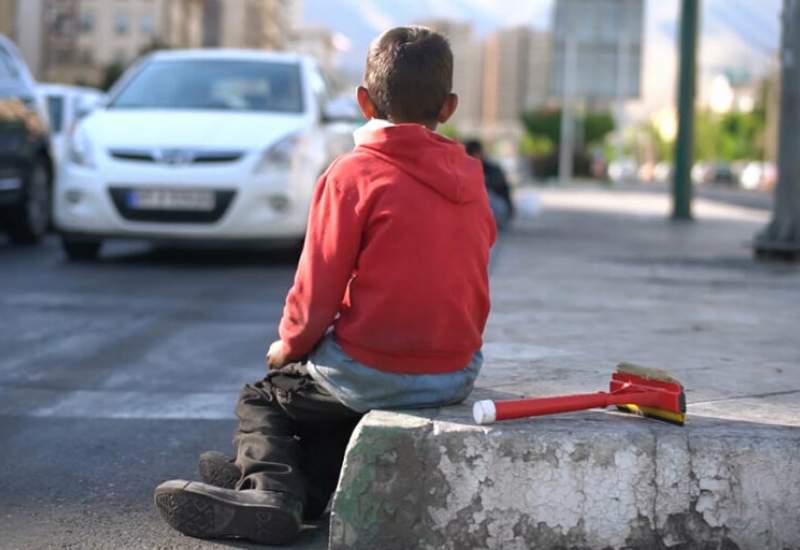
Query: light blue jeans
[362,388]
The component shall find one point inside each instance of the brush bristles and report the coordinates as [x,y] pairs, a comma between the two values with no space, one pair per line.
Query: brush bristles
[658,414]
[646,372]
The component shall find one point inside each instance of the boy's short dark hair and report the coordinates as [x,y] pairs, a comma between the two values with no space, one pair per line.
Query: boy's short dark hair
[409,74]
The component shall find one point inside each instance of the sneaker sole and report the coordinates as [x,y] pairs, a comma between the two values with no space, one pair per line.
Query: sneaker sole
[207,517]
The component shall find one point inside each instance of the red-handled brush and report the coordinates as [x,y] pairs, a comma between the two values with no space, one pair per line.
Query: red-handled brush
[639,390]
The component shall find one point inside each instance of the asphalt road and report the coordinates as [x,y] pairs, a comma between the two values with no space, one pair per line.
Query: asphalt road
[115,375]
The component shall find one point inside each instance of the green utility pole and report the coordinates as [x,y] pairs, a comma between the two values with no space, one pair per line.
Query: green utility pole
[682,178]
[781,238]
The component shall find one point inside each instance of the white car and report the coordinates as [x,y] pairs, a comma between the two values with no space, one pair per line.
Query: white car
[65,105]
[199,144]
[758,175]
[623,170]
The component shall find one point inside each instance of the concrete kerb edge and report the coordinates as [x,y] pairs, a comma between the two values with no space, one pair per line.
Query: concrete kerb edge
[589,480]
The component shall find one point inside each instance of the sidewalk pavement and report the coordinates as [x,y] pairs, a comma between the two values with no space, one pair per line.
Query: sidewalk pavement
[598,277]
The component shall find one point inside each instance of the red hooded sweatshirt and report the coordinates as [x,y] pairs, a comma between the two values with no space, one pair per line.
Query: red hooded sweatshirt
[396,255]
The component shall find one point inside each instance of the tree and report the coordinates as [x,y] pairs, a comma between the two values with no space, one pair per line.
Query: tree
[546,124]
[543,123]
[663,149]
[449,130]
[543,136]
[116,68]
[111,74]
[730,136]
[596,126]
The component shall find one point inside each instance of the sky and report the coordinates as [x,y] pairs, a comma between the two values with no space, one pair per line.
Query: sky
[735,34]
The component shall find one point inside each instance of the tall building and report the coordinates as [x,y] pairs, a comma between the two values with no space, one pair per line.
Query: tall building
[539,62]
[8,18]
[318,42]
[28,35]
[45,32]
[467,72]
[73,41]
[296,15]
[259,24]
[118,31]
[179,25]
[60,54]
[516,67]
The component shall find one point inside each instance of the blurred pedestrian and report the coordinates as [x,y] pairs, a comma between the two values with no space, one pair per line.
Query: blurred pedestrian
[387,309]
[497,187]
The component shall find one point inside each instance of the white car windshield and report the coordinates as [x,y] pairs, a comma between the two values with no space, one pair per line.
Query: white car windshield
[226,85]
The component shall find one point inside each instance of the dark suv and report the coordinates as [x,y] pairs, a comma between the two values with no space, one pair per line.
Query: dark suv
[26,168]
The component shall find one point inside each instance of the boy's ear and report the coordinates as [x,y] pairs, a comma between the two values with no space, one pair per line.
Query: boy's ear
[365,103]
[448,108]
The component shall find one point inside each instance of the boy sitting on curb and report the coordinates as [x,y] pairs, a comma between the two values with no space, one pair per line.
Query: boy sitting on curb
[387,309]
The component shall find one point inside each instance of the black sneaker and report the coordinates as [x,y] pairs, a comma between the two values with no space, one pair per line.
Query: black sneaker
[218,470]
[207,512]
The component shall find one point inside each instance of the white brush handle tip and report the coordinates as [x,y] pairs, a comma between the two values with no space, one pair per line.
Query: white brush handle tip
[484,412]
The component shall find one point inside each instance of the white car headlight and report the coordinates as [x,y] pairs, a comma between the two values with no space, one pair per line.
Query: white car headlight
[281,154]
[80,149]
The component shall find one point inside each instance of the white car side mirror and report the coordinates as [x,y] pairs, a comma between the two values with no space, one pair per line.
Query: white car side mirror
[341,109]
[87,104]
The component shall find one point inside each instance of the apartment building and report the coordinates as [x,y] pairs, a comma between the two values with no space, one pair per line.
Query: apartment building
[516,71]
[318,42]
[8,18]
[467,71]
[259,24]
[119,31]
[74,41]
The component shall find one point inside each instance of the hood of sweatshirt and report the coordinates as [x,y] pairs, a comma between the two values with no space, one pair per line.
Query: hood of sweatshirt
[434,160]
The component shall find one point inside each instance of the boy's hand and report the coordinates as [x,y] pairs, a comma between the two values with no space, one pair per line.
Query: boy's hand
[276,358]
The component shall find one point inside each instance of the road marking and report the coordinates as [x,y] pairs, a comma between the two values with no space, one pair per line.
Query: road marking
[99,404]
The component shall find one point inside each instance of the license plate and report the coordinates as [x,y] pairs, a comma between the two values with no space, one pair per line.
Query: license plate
[171,199]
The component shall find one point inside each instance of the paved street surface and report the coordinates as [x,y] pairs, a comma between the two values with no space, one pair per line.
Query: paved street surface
[602,276]
[114,376]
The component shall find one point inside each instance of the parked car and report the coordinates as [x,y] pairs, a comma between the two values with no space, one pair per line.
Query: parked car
[623,170]
[758,176]
[717,173]
[65,105]
[26,168]
[662,172]
[199,144]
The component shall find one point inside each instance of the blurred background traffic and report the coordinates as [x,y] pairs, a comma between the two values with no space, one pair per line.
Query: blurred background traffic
[557,91]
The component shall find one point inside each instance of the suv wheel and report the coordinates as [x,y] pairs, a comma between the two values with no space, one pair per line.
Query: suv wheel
[31,218]
[80,249]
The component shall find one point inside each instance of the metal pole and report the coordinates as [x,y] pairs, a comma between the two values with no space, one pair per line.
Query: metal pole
[623,63]
[682,180]
[781,238]
[566,148]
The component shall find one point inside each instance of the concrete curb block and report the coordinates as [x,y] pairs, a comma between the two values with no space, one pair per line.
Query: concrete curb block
[434,480]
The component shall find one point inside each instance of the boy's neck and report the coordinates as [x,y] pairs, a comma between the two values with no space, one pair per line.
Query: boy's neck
[430,125]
